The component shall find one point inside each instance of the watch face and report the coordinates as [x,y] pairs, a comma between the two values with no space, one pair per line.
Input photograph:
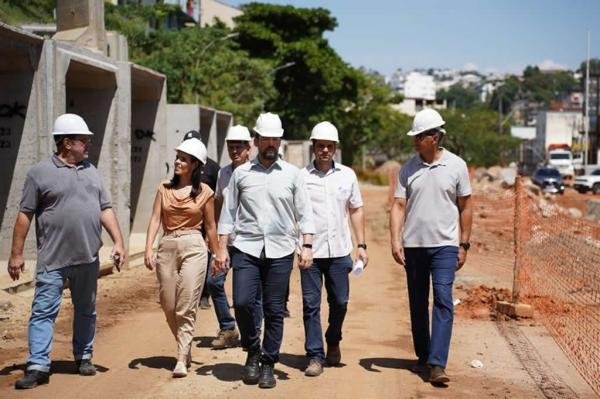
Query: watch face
[465,245]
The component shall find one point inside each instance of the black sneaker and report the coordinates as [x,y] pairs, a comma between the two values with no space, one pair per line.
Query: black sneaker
[251,372]
[86,367]
[32,379]
[267,379]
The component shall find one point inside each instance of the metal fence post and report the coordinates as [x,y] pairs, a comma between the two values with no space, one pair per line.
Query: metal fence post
[517,240]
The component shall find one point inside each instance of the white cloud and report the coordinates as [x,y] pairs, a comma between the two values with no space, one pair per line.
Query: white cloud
[469,66]
[549,65]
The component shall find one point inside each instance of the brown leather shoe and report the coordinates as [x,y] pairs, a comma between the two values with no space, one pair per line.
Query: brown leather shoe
[314,369]
[438,375]
[334,355]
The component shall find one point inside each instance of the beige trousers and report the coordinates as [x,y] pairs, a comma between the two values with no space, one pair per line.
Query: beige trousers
[181,269]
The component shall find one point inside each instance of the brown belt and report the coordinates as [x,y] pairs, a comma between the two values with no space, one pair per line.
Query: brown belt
[179,233]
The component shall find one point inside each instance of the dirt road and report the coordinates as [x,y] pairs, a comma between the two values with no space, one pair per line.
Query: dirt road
[134,350]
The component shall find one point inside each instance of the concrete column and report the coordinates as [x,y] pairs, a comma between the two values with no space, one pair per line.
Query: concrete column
[224,121]
[148,143]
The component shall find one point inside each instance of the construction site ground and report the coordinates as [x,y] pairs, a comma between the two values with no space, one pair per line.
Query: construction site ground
[135,352]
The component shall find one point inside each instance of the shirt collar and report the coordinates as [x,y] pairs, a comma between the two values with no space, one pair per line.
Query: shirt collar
[442,161]
[60,164]
[277,164]
[312,168]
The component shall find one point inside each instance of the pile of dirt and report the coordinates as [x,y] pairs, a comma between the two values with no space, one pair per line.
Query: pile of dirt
[479,302]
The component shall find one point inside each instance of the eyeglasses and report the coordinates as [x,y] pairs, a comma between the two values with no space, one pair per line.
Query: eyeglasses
[82,140]
[430,133]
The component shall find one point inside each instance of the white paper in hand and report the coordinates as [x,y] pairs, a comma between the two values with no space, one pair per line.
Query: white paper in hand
[358,268]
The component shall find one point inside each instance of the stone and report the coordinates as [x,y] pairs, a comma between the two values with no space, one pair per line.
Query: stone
[515,310]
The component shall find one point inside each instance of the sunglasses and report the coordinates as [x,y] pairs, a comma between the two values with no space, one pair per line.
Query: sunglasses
[421,136]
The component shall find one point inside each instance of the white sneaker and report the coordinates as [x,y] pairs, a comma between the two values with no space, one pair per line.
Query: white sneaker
[180,370]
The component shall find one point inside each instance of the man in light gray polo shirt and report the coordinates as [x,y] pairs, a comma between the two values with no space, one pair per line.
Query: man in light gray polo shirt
[70,205]
[432,212]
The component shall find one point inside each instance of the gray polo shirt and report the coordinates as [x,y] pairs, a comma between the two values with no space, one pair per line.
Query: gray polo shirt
[431,191]
[67,202]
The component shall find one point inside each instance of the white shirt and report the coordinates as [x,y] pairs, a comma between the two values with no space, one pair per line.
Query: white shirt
[221,190]
[431,191]
[223,181]
[332,193]
[265,207]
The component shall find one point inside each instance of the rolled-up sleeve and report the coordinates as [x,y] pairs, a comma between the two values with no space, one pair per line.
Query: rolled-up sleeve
[355,197]
[230,205]
[302,207]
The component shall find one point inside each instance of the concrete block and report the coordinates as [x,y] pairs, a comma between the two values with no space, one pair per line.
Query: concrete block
[520,310]
[148,142]
[22,117]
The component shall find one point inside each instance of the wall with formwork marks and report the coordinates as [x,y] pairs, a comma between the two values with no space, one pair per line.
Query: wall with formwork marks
[23,94]
[208,130]
[148,143]
[181,118]
[90,85]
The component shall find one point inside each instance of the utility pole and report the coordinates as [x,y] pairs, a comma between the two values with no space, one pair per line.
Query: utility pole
[586,111]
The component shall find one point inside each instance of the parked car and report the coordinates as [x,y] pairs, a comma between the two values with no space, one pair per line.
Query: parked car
[585,183]
[549,180]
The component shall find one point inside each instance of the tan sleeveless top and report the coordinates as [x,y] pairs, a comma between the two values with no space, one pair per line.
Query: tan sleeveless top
[182,212]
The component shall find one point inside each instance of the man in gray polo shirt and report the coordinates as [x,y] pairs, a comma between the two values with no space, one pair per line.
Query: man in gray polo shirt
[70,205]
[432,212]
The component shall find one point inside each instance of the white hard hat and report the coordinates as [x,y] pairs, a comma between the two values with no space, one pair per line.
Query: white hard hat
[425,120]
[70,124]
[195,148]
[324,131]
[238,133]
[268,125]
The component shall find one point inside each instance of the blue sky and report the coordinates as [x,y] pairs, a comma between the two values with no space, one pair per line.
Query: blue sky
[492,35]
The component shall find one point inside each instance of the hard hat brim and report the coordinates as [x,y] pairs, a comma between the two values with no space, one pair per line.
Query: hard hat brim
[269,133]
[80,132]
[416,132]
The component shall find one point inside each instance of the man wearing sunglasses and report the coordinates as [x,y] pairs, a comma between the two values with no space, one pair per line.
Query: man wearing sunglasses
[430,226]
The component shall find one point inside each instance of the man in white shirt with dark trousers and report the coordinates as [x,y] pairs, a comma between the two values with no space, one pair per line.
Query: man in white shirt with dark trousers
[265,204]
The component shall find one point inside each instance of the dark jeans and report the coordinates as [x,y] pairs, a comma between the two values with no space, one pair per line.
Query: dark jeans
[439,264]
[216,287]
[250,274]
[335,271]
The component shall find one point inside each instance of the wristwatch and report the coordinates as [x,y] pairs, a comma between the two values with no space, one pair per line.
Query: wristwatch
[465,245]
[362,245]
[306,245]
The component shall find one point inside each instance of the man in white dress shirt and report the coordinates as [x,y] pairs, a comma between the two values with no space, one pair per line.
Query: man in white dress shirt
[334,195]
[266,203]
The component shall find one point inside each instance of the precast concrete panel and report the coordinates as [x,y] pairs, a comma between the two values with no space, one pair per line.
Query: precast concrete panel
[208,130]
[86,84]
[181,118]
[224,122]
[148,137]
[22,118]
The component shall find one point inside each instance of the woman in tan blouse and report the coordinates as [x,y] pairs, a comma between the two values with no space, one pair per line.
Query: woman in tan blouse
[182,205]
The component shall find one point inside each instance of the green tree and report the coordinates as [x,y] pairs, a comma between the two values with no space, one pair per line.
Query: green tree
[200,65]
[472,134]
[314,87]
[458,96]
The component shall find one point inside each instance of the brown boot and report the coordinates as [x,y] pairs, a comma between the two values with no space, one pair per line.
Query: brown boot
[334,355]
[314,369]
[226,339]
[438,375]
